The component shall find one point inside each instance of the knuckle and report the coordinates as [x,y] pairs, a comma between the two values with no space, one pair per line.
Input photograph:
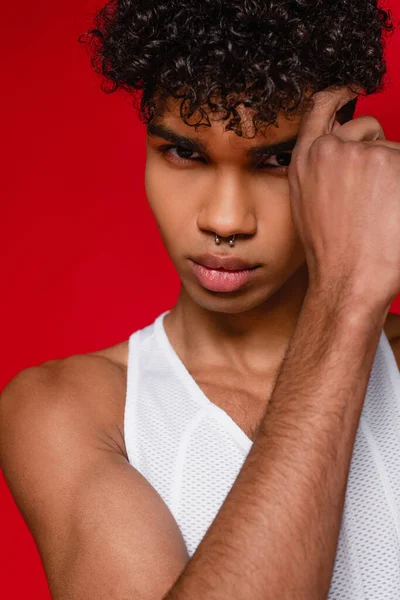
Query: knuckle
[374,125]
[354,150]
[378,155]
[325,145]
[373,121]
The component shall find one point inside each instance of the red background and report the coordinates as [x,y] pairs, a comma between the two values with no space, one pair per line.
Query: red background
[77,239]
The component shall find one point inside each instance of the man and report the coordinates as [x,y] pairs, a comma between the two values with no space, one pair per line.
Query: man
[246,444]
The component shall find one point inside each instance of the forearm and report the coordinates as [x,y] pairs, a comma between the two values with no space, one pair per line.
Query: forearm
[276,534]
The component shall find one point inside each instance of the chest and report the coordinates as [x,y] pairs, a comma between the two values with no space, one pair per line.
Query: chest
[245,399]
[244,405]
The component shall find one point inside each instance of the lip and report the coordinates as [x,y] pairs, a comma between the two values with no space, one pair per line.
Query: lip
[222,274]
[228,263]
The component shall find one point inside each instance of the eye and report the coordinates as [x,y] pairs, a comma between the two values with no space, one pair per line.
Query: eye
[283,159]
[181,155]
[184,154]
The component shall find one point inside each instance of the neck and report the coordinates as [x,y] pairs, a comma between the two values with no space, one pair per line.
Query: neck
[249,342]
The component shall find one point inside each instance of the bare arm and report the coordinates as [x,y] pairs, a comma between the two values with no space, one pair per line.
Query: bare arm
[276,534]
[102,531]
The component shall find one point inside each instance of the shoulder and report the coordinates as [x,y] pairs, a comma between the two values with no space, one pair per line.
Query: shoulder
[68,382]
[80,396]
[392,330]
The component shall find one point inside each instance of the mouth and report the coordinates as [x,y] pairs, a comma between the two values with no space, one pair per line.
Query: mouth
[227,263]
[222,274]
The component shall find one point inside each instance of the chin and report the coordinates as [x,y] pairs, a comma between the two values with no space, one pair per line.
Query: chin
[229,302]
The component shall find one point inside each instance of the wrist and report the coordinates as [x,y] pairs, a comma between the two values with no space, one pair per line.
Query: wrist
[347,305]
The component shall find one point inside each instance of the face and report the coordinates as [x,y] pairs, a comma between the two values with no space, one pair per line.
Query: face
[216,183]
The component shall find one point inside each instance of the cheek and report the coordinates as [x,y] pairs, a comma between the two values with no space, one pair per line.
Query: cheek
[171,201]
[175,204]
[275,226]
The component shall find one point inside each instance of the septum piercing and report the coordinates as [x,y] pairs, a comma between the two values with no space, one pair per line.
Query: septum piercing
[231,239]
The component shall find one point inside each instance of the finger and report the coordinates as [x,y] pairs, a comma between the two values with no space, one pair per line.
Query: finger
[320,119]
[385,144]
[362,129]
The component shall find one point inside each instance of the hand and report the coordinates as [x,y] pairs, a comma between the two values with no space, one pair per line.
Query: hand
[345,202]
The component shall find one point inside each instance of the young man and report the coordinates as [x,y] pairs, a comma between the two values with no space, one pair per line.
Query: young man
[247,443]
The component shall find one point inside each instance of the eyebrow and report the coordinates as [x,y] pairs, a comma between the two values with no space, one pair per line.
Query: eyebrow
[162,131]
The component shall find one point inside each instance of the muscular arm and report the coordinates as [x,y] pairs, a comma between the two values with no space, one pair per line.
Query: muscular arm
[102,530]
[276,534]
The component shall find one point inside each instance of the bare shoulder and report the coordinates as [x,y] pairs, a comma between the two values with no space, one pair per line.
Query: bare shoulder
[88,388]
[392,330]
[101,529]
[57,420]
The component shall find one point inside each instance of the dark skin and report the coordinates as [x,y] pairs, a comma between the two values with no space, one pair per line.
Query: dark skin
[61,423]
[241,335]
[231,343]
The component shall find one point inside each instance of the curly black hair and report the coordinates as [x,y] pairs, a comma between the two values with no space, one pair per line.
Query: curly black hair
[213,55]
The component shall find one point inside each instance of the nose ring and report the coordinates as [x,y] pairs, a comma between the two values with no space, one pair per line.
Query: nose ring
[231,239]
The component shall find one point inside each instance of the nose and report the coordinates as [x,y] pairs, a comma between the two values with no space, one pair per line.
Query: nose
[227,210]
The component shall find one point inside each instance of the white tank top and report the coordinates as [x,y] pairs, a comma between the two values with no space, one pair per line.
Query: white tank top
[191,452]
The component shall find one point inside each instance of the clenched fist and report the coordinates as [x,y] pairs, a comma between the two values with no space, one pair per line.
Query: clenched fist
[345,202]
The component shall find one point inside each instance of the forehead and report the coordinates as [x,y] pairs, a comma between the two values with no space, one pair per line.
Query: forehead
[171,117]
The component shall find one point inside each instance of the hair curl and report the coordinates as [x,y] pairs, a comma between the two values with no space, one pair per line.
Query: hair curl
[216,54]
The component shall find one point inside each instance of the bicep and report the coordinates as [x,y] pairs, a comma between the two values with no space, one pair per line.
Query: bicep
[120,539]
[101,529]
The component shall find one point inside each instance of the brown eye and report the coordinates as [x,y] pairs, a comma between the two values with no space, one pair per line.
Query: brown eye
[282,159]
[184,152]
[181,152]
